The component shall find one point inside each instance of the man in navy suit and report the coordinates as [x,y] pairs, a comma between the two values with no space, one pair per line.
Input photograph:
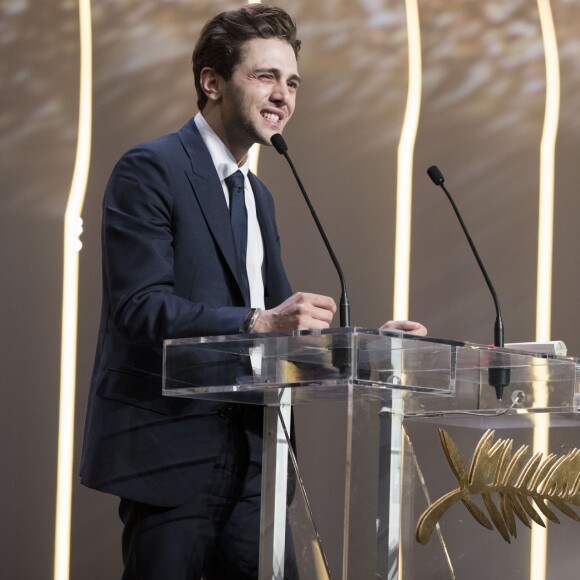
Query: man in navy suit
[188,471]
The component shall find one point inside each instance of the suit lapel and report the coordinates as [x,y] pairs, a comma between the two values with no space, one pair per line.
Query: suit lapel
[264,218]
[276,286]
[209,194]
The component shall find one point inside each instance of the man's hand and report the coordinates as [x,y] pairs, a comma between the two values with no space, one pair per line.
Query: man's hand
[302,311]
[406,326]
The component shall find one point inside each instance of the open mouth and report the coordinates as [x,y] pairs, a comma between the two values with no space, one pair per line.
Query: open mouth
[273,117]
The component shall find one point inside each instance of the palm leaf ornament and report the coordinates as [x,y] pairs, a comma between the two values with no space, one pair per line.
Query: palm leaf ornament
[510,486]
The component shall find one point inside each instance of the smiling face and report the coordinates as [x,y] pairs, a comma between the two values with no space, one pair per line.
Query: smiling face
[258,100]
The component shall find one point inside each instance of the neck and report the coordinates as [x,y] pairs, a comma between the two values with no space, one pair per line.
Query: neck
[214,120]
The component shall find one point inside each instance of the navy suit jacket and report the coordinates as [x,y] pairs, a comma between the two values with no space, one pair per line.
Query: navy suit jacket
[169,271]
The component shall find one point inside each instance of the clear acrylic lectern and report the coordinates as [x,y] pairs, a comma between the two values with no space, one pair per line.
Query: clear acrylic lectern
[437,477]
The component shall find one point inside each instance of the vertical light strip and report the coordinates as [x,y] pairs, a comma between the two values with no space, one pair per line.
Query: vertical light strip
[547,164]
[254,155]
[541,436]
[72,246]
[540,443]
[405,165]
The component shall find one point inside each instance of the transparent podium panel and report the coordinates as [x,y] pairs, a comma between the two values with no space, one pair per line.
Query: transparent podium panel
[316,366]
[412,457]
[490,497]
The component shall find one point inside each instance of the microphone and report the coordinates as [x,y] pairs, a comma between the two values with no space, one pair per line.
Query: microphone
[498,377]
[280,145]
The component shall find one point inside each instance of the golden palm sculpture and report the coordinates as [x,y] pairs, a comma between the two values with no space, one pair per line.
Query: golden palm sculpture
[509,485]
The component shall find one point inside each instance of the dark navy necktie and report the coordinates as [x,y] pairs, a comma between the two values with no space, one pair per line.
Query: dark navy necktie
[239,219]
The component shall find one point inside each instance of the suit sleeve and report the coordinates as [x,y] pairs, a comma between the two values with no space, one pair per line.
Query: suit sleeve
[139,258]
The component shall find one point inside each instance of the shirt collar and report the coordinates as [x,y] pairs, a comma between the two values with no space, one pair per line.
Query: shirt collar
[221,156]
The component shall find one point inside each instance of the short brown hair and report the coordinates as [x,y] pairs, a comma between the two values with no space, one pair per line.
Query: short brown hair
[220,43]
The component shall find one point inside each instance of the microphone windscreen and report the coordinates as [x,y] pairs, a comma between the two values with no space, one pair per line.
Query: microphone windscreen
[435,175]
[279,144]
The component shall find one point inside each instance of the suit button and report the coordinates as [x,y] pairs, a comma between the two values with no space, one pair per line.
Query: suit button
[225,412]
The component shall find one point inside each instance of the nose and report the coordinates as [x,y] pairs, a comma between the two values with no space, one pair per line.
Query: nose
[280,93]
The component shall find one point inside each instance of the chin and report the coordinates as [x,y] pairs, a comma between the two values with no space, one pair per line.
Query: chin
[263,138]
[269,130]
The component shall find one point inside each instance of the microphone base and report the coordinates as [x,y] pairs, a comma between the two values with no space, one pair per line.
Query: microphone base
[342,359]
[499,378]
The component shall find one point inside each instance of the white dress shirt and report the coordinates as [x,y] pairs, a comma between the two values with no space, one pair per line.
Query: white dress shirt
[225,165]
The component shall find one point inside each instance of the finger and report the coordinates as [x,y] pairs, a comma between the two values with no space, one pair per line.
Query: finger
[317,300]
[409,326]
[312,317]
[322,314]
[403,324]
[420,331]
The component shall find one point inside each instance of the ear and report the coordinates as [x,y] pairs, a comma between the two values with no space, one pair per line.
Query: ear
[211,83]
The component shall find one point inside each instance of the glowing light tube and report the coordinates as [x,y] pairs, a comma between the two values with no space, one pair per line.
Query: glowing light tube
[405,165]
[539,536]
[72,246]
